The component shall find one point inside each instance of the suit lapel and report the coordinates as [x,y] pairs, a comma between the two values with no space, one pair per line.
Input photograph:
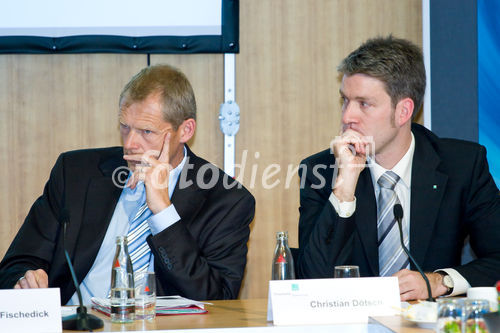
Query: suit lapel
[427,189]
[188,197]
[366,218]
[101,198]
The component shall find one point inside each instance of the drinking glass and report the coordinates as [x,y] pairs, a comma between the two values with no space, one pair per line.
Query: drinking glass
[449,315]
[348,271]
[145,296]
[474,315]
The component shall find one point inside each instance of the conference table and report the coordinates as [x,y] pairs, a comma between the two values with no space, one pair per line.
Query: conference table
[248,313]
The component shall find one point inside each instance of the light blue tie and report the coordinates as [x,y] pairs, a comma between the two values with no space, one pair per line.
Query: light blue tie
[139,214]
[391,255]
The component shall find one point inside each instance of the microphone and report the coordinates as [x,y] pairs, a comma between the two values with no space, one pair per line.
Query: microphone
[81,321]
[398,215]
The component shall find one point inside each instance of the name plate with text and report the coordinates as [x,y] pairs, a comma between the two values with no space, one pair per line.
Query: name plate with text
[332,301]
[30,310]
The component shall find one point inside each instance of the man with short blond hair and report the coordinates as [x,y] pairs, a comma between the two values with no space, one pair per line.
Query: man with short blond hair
[184,218]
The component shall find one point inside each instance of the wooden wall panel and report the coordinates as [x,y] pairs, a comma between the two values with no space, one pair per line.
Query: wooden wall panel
[50,104]
[286,86]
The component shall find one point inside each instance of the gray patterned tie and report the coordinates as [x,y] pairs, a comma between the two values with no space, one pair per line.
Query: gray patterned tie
[391,255]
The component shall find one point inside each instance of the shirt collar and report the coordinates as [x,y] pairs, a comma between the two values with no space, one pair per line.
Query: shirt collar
[175,173]
[402,168]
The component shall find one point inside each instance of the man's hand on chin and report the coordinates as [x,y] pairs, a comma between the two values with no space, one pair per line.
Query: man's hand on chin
[350,150]
[154,172]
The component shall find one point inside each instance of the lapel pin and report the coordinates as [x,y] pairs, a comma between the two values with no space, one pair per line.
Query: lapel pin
[434,187]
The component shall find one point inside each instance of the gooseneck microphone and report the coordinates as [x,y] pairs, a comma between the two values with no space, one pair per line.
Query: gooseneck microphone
[81,321]
[398,215]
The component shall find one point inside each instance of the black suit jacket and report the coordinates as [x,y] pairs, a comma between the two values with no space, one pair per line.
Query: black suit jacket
[452,195]
[202,256]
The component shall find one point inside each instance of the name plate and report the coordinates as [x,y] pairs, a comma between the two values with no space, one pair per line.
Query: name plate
[332,301]
[30,310]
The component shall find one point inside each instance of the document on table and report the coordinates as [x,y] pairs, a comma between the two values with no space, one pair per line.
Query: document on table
[165,305]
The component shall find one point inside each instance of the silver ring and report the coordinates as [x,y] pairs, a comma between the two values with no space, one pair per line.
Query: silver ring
[21,278]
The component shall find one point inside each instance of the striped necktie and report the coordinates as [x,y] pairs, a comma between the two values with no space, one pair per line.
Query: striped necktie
[138,248]
[391,255]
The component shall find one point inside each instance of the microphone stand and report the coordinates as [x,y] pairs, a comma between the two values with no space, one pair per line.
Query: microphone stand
[81,321]
[398,215]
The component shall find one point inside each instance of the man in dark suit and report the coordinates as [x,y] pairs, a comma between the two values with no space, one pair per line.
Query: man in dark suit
[198,220]
[381,159]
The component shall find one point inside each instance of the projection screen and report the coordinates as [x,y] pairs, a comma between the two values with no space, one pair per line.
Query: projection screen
[119,26]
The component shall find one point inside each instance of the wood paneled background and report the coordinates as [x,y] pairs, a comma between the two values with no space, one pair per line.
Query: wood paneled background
[286,87]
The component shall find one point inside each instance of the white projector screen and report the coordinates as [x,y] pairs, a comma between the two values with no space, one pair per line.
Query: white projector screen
[146,26]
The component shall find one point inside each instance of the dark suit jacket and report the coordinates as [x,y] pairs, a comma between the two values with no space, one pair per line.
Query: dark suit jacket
[452,195]
[202,256]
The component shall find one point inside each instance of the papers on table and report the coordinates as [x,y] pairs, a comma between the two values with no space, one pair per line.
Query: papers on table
[165,305]
[68,310]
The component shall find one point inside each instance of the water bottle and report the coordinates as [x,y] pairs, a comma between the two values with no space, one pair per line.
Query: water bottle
[283,260]
[122,285]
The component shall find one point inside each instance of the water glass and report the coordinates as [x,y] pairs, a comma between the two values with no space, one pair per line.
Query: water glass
[449,315]
[349,271]
[145,296]
[474,315]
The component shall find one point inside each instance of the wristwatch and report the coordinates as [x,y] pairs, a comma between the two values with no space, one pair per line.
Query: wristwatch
[447,282]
